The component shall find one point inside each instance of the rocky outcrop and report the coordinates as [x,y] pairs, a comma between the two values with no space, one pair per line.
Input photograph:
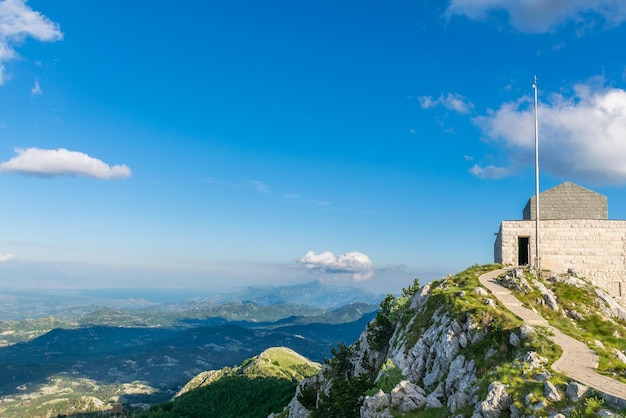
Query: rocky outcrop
[497,402]
[407,397]
[575,391]
[376,406]
[296,409]
[609,306]
[438,351]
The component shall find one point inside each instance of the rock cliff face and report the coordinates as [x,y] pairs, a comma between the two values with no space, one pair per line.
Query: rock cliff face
[448,346]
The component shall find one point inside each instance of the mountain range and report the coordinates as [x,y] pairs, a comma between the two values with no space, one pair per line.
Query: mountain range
[95,356]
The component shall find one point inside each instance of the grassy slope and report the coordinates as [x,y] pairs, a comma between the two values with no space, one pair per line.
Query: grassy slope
[262,384]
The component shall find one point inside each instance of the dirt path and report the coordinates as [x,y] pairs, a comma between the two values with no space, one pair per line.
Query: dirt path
[578,361]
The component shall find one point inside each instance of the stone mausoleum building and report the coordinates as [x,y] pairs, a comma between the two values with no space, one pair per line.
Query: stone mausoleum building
[574,233]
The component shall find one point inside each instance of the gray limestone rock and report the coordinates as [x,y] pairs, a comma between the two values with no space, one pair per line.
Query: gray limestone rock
[376,406]
[539,405]
[480,291]
[534,360]
[575,281]
[461,376]
[516,280]
[620,356]
[297,410]
[439,391]
[497,401]
[575,391]
[543,376]
[433,403]
[609,306]
[456,327]
[551,392]
[514,340]
[573,314]
[407,396]
[463,340]
[490,302]
[433,400]
[526,331]
[456,371]
[457,401]
[548,296]
[420,298]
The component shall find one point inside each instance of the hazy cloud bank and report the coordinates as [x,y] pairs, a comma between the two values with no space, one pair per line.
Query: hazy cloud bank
[543,16]
[61,162]
[355,263]
[17,22]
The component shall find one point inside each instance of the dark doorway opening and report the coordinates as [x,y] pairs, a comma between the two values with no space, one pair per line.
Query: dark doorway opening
[523,245]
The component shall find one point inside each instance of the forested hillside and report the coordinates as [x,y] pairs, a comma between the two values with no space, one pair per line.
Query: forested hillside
[261,385]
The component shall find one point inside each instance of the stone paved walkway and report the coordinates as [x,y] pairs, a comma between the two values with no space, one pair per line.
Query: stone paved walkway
[578,361]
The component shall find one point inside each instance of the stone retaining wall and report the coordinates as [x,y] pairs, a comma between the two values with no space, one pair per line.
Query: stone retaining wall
[593,248]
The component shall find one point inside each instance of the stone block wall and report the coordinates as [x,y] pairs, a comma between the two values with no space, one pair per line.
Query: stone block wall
[568,201]
[594,248]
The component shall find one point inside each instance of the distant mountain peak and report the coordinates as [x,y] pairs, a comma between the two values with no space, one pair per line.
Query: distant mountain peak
[278,362]
[316,293]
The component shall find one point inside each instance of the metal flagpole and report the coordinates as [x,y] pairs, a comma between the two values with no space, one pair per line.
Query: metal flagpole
[537,258]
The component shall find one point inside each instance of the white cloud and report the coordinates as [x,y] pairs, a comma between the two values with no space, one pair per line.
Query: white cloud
[61,162]
[451,101]
[542,16]
[6,257]
[581,135]
[18,21]
[355,263]
[489,172]
[36,89]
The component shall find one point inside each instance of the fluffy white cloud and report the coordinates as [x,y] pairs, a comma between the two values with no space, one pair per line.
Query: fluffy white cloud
[581,135]
[61,162]
[452,101]
[355,263]
[6,257]
[542,16]
[18,21]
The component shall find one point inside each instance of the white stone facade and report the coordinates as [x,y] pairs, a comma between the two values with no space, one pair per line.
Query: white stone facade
[574,233]
[594,248]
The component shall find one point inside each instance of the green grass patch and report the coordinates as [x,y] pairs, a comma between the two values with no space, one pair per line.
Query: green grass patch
[390,377]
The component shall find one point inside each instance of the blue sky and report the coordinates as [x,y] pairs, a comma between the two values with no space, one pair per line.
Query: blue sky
[232,143]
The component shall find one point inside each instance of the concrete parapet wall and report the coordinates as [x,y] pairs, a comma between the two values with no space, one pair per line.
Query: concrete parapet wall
[594,248]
